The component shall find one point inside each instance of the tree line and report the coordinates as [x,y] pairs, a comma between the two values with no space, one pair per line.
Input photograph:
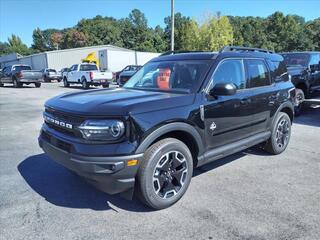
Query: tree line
[276,32]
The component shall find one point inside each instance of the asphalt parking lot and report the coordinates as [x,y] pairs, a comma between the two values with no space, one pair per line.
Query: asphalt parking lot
[249,195]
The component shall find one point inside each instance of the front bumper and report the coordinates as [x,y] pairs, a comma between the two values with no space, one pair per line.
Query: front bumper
[109,174]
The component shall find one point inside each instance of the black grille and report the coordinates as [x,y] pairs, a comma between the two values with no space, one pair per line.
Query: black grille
[73,120]
[65,117]
[56,142]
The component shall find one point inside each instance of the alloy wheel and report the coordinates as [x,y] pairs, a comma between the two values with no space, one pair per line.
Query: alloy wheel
[283,133]
[170,174]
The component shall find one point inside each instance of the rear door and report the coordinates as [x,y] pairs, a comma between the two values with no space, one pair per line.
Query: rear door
[228,118]
[262,93]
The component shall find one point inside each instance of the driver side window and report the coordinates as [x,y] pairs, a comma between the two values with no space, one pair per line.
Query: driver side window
[230,71]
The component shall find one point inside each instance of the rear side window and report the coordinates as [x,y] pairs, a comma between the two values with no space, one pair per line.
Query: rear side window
[258,75]
[230,71]
[278,71]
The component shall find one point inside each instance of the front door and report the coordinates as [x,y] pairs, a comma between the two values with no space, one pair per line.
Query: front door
[228,118]
[72,75]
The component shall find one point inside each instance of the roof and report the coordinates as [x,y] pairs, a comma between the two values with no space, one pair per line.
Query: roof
[213,55]
[308,52]
[186,56]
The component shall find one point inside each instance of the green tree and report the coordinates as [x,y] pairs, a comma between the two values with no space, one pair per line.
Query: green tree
[4,48]
[39,41]
[16,45]
[313,31]
[181,24]
[287,33]
[100,30]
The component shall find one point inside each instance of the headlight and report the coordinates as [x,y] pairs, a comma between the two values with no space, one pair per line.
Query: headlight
[102,130]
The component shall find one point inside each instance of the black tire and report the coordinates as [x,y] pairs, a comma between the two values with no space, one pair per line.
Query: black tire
[65,82]
[106,85]
[84,83]
[1,84]
[300,97]
[38,84]
[280,136]
[165,189]
[46,79]
[16,83]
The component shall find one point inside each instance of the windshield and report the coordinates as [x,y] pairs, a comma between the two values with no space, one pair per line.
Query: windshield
[88,67]
[183,75]
[296,59]
[20,68]
[52,70]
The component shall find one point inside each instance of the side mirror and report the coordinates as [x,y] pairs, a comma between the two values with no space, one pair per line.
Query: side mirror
[314,67]
[223,89]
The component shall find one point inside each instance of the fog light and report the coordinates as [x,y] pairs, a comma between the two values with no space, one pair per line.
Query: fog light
[132,162]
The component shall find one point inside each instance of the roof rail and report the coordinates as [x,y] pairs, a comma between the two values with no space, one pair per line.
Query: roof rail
[244,49]
[176,52]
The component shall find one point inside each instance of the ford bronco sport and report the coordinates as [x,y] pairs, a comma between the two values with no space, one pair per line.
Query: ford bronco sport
[178,112]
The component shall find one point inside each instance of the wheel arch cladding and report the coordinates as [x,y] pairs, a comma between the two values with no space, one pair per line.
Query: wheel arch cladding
[181,131]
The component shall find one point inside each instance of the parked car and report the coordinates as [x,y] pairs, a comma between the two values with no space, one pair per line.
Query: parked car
[127,72]
[19,74]
[180,111]
[304,68]
[86,74]
[51,74]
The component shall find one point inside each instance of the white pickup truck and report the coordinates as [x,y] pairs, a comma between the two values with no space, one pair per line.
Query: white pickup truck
[86,74]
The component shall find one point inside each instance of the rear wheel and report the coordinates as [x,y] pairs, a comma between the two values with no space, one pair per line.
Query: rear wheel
[65,82]
[46,79]
[165,173]
[1,84]
[300,97]
[106,85]
[37,84]
[84,83]
[16,83]
[280,136]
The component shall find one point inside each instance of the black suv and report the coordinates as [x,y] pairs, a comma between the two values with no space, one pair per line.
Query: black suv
[178,112]
[304,68]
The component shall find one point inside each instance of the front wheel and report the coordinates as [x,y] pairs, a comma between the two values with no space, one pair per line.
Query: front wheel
[1,84]
[106,85]
[65,82]
[165,173]
[280,136]
[37,84]
[300,97]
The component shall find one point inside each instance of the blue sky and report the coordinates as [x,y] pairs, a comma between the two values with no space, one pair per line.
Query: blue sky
[21,17]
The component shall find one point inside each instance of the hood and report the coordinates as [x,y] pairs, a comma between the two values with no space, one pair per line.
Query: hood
[118,102]
[296,70]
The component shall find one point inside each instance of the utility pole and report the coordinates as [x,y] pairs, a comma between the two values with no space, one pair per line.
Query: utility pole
[172,25]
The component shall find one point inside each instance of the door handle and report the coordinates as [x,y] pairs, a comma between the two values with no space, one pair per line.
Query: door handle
[245,101]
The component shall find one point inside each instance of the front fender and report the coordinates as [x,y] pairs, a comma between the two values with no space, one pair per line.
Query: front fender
[170,127]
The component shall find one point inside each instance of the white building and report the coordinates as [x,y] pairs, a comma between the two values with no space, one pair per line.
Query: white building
[111,57]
